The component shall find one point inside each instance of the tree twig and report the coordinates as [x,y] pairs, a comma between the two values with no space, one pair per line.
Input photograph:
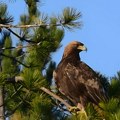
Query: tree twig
[13,58]
[29,26]
[56,97]
[21,38]
[29,45]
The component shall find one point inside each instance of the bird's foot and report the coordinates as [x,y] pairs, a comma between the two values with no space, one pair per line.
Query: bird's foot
[74,110]
[80,113]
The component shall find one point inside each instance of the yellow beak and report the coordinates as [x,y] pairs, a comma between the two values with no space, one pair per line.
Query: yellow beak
[82,48]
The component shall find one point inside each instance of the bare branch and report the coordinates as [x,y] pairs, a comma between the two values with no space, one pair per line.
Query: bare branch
[56,97]
[28,26]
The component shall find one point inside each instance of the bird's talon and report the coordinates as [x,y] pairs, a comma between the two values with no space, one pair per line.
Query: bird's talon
[74,110]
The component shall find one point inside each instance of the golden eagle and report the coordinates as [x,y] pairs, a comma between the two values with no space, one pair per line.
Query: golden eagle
[76,80]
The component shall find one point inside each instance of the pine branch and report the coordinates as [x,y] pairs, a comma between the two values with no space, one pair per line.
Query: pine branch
[21,38]
[28,26]
[20,47]
[56,97]
[13,58]
[69,18]
[16,91]
[12,112]
[13,80]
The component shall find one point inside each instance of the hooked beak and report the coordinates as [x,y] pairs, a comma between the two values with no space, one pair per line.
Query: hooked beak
[82,48]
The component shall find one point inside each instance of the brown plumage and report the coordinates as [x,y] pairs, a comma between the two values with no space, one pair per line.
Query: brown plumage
[76,80]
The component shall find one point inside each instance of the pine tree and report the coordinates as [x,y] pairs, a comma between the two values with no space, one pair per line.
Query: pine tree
[4,62]
[29,60]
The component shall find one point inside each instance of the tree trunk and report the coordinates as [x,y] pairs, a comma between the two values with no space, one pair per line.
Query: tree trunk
[2,117]
[1,103]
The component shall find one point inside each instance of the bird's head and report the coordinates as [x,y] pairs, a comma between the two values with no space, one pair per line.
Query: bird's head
[74,47]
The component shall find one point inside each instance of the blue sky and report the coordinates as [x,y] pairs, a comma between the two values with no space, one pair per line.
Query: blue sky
[100,31]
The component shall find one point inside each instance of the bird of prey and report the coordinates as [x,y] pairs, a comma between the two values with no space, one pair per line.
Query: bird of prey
[76,80]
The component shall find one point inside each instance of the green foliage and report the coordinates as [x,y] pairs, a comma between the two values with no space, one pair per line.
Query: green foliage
[6,62]
[41,107]
[69,18]
[111,110]
[115,86]
[49,72]
[5,18]
[32,7]
[33,79]
[93,112]
[111,106]
[26,96]
[7,65]
[3,76]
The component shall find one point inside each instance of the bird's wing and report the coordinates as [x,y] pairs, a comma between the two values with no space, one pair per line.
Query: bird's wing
[85,82]
[95,90]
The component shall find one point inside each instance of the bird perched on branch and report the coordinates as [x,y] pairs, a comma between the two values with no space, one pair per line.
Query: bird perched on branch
[76,80]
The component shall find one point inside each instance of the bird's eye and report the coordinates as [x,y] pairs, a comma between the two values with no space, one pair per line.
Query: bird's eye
[81,44]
